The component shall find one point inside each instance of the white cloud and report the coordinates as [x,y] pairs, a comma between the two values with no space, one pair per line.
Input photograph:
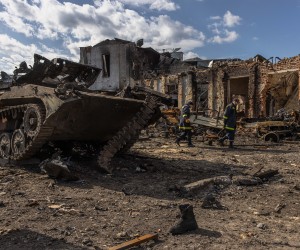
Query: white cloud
[220,28]
[255,38]
[215,28]
[16,24]
[153,4]
[230,36]
[231,20]
[191,54]
[173,34]
[73,26]
[215,18]
[13,52]
[51,19]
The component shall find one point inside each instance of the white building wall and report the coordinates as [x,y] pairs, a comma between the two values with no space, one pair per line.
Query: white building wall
[110,83]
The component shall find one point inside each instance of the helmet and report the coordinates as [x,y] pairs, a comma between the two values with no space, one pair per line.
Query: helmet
[189,103]
[236,100]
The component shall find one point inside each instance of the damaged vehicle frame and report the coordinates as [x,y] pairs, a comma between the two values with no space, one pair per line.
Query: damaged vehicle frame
[52,102]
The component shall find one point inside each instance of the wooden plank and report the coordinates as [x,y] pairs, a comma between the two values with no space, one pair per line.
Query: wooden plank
[135,242]
[267,173]
[283,71]
[206,121]
[204,183]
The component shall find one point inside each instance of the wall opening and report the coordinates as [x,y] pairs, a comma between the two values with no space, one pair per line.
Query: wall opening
[238,88]
[106,65]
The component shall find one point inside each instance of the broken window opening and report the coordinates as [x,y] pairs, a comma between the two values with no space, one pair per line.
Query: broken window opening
[172,89]
[106,65]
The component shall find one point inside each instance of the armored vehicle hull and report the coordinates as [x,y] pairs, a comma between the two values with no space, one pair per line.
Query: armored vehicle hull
[39,107]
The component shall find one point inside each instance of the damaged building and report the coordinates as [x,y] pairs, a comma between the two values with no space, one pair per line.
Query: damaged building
[123,63]
[263,85]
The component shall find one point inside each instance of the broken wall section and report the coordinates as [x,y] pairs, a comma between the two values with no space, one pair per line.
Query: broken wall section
[123,63]
[281,85]
[178,86]
[230,80]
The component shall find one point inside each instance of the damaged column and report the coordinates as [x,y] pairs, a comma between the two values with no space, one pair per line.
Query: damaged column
[185,88]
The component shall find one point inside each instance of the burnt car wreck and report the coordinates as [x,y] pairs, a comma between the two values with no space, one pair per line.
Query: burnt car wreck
[52,102]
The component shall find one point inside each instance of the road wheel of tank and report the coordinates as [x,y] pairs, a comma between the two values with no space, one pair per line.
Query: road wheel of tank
[5,146]
[271,137]
[32,120]
[18,142]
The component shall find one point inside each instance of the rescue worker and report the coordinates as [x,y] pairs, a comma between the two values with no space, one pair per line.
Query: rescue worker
[230,122]
[185,124]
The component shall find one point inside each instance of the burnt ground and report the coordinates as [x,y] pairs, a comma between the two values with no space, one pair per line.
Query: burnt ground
[100,211]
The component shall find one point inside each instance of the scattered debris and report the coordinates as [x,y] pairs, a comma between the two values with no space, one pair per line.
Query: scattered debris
[87,242]
[261,225]
[2,204]
[57,169]
[205,183]
[263,212]
[210,202]
[279,207]
[55,206]
[297,187]
[266,174]
[135,242]
[247,181]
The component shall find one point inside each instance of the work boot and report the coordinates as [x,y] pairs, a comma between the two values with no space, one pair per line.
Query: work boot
[190,145]
[231,145]
[187,222]
[177,142]
[221,142]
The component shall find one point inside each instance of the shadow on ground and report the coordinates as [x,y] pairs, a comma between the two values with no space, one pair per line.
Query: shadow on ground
[24,239]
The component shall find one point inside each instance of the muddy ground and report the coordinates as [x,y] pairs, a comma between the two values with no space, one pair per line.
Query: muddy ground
[100,211]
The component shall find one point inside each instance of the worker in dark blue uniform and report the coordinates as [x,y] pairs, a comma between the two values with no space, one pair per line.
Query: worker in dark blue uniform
[230,123]
[185,124]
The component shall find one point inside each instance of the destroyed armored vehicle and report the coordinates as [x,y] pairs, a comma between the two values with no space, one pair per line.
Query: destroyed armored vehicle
[51,102]
[279,127]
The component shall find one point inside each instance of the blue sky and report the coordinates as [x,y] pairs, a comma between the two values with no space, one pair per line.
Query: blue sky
[201,28]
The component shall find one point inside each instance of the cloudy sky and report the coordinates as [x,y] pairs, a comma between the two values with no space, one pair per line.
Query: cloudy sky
[204,28]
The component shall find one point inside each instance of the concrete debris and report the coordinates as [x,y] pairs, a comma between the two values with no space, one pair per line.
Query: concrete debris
[58,170]
[261,226]
[279,207]
[210,202]
[266,174]
[247,181]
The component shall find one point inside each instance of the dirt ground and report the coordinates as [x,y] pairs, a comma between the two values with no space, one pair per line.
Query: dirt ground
[100,210]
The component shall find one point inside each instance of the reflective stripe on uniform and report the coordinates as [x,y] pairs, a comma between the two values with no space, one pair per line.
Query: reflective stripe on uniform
[229,128]
[185,115]
[186,128]
[225,117]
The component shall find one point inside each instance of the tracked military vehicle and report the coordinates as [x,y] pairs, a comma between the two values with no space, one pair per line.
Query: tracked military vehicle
[52,102]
